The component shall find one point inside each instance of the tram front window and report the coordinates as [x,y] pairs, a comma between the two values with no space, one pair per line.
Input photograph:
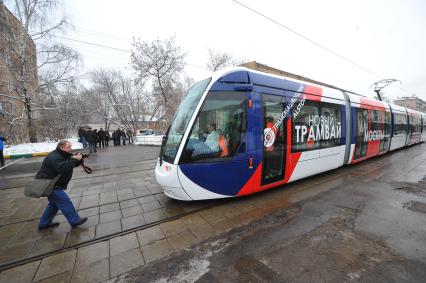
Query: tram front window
[218,131]
[181,120]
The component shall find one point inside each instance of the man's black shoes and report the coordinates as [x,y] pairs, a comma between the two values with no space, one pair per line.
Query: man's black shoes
[82,220]
[53,224]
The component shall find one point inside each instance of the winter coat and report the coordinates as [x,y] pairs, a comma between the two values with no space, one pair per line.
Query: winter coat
[58,162]
[91,136]
[2,139]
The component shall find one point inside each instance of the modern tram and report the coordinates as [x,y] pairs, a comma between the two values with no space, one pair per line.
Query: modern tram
[243,131]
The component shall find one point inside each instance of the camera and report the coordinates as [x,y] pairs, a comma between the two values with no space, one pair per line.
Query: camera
[83,155]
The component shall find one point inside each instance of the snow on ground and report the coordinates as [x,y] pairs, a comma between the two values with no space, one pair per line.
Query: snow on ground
[28,148]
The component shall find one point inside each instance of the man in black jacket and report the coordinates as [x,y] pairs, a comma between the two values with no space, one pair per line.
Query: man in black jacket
[60,161]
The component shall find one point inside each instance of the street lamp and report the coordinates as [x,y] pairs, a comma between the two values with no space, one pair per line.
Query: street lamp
[379,85]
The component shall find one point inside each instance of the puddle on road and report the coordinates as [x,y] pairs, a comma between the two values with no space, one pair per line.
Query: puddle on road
[415,206]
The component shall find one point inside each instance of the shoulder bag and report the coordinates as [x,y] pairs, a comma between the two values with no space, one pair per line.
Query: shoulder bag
[37,188]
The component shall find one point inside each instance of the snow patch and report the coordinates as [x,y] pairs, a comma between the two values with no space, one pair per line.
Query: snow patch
[29,148]
[197,268]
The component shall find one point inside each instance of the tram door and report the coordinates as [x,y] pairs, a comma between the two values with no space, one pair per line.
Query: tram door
[273,139]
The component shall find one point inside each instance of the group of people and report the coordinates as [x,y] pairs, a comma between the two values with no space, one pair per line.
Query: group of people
[119,136]
[92,138]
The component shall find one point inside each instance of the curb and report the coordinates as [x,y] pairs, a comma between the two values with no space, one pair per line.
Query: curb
[26,155]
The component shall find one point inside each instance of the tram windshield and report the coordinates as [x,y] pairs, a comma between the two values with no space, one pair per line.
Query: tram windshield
[181,120]
[218,131]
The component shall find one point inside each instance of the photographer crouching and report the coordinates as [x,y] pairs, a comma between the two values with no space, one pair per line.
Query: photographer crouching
[61,162]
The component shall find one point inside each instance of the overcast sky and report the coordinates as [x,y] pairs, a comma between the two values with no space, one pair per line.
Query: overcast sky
[385,39]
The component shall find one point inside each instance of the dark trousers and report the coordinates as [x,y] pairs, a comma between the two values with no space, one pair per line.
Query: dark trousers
[92,146]
[59,200]
[1,158]
[106,141]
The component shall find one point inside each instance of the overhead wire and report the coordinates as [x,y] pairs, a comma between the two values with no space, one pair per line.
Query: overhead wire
[311,41]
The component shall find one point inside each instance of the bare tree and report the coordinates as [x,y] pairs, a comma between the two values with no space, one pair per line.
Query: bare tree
[25,67]
[161,62]
[219,60]
[122,98]
[67,111]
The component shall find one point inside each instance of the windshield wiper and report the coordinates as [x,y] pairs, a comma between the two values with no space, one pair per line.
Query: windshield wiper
[163,143]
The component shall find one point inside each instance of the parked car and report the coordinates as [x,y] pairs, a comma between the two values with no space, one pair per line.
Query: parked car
[146,132]
[149,137]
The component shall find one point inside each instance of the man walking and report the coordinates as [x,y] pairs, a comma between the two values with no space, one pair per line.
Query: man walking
[60,162]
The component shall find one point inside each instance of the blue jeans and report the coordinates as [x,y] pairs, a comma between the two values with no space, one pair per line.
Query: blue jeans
[59,200]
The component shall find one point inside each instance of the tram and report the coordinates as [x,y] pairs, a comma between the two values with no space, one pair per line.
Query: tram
[242,131]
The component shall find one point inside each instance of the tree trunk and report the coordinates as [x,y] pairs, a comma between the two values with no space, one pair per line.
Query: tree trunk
[31,130]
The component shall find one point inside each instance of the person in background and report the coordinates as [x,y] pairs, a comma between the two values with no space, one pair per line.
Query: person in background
[2,140]
[130,136]
[60,162]
[114,137]
[91,139]
[123,136]
[101,138]
[95,134]
[106,137]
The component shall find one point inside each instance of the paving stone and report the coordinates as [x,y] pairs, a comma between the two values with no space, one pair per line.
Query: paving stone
[141,192]
[182,240]
[55,265]
[151,206]
[16,252]
[122,244]
[110,197]
[194,219]
[109,228]
[130,211]
[29,233]
[109,216]
[128,203]
[125,262]
[50,243]
[125,196]
[88,212]
[80,235]
[109,207]
[156,250]
[150,235]
[146,199]
[92,253]
[154,216]
[88,204]
[95,272]
[132,222]
[202,231]
[20,274]
[8,232]
[173,227]
[64,277]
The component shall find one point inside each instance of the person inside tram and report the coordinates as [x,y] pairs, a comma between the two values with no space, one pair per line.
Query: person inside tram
[212,139]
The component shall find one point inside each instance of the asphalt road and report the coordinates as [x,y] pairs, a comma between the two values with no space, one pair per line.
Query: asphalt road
[367,225]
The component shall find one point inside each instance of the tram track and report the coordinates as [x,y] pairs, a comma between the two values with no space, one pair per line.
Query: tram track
[25,178]
[13,264]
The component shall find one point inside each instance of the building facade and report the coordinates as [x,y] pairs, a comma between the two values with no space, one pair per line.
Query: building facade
[412,102]
[18,80]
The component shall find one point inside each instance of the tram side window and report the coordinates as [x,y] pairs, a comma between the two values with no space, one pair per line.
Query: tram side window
[415,124]
[330,126]
[303,137]
[219,128]
[400,124]
[318,125]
